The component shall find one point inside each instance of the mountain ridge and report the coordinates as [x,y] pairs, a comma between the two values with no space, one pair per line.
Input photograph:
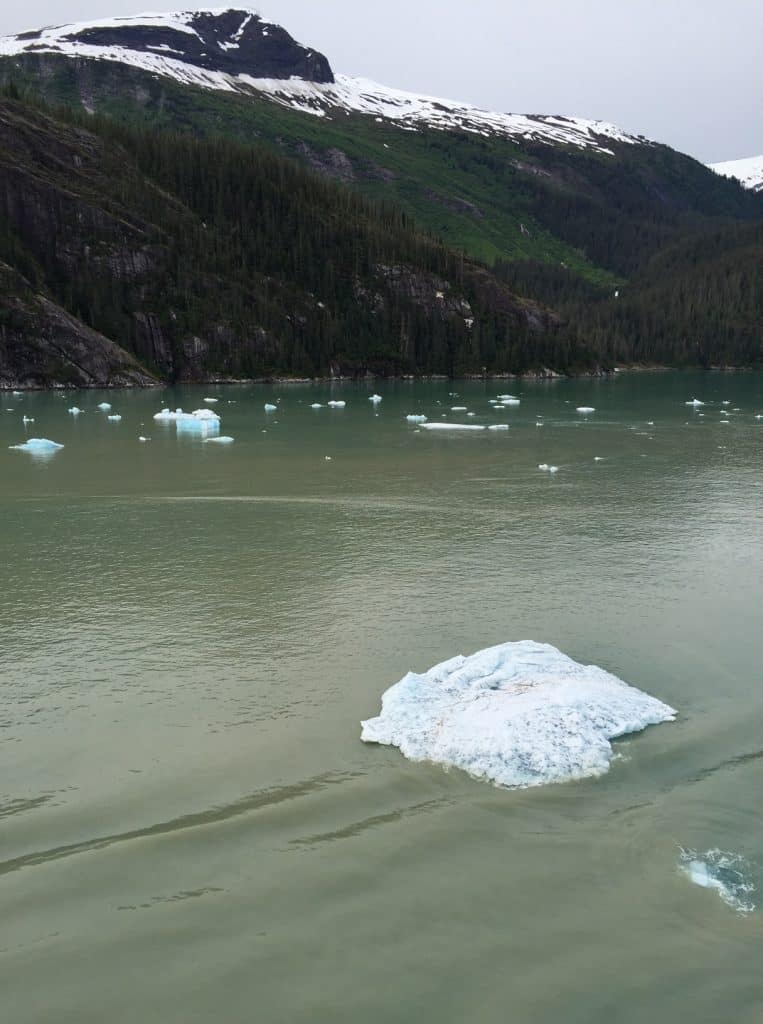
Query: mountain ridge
[251,55]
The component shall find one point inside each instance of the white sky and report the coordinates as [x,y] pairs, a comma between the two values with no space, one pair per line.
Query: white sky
[685,72]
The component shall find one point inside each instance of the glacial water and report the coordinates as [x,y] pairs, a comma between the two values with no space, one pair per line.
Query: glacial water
[191,829]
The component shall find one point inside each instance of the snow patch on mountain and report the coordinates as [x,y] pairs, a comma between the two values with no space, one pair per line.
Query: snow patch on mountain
[748,171]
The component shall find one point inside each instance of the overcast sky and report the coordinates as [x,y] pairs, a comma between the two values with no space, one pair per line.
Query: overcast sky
[685,72]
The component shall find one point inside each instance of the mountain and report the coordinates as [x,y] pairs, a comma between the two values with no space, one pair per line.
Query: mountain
[748,171]
[576,215]
[553,189]
[237,51]
[135,255]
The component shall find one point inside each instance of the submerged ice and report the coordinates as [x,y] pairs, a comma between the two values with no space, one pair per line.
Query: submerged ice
[520,714]
[727,873]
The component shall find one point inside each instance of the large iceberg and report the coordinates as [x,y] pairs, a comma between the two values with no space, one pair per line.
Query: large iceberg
[520,714]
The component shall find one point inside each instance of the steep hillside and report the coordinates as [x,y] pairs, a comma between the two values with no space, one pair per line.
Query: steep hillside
[208,258]
[553,189]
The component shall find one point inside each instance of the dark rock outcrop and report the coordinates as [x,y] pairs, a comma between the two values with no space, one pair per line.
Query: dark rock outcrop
[40,344]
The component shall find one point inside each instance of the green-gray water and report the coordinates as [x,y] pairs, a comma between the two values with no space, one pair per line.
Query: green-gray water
[190,827]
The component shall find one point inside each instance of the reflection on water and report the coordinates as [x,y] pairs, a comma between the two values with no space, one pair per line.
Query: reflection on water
[192,633]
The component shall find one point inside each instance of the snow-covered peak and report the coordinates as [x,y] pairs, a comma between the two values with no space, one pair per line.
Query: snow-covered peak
[236,50]
[748,171]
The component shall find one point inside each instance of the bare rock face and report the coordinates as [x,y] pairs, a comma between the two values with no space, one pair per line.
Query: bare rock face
[41,344]
[235,41]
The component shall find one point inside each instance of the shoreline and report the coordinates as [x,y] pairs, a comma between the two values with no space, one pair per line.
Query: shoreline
[542,377]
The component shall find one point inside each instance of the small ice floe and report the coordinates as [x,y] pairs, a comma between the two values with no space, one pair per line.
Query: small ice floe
[507,398]
[585,409]
[452,426]
[41,445]
[650,423]
[598,458]
[727,873]
[544,467]
[416,419]
[27,419]
[337,405]
[759,416]
[218,440]
[211,401]
[725,403]
[695,402]
[458,408]
[104,406]
[74,411]
[17,393]
[499,426]
[520,714]
[143,439]
[725,422]
[327,458]
[115,418]
[375,399]
[511,401]
[316,405]
[270,408]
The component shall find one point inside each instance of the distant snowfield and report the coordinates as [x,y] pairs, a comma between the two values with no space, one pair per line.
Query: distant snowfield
[342,98]
[748,171]
[520,714]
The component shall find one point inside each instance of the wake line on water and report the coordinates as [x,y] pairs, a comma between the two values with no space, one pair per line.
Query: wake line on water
[200,819]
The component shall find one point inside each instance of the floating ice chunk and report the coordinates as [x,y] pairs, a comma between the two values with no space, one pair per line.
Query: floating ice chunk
[727,873]
[316,405]
[499,426]
[27,419]
[545,468]
[144,439]
[219,440]
[511,401]
[327,458]
[205,414]
[508,398]
[115,418]
[212,401]
[759,416]
[105,406]
[75,411]
[725,403]
[416,419]
[337,405]
[271,408]
[585,409]
[520,714]
[598,458]
[695,402]
[375,399]
[452,426]
[37,444]
[17,393]
[458,408]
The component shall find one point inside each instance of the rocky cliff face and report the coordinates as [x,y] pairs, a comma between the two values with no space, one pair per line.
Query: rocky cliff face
[40,344]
